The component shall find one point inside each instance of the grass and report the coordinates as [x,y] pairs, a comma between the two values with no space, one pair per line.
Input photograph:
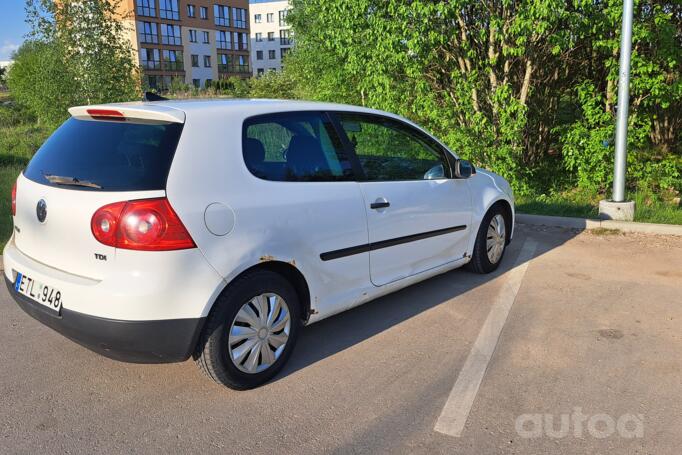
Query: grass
[648,209]
[20,137]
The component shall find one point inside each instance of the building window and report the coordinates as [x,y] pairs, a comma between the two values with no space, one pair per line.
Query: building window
[221,15]
[195,61]
[172,60]
[170,34]
[208,83]
[260,71]
[259,37]
[271,36]
[241,41]
[283,18]
[272,54]
[207,61]
[196,83]
[223,40]
[146,8]
[283,51]
[284,37]
[168,9]
[271,18]
[239,17]
[242,64]
[203,12]
[258,18]
[259,55]
[191,11]
[205,38]
[223,63]
[192,36]
[150,59]
[148,32]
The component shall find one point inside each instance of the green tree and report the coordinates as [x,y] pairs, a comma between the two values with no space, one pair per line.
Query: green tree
[77,54]
[526,88]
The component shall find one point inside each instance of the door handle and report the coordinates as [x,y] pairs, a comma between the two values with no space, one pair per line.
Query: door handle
[380,203]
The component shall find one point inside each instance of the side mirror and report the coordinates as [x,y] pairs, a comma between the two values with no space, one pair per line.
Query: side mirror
[464,169]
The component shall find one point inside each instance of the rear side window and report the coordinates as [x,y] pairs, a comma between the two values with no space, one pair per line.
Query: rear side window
[109,155]
[296,146]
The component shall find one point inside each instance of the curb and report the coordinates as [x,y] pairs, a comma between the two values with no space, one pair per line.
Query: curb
[586,223]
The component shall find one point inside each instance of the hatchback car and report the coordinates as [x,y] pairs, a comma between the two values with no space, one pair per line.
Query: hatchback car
[156,231]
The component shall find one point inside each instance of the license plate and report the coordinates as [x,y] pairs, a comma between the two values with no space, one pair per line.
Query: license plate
[40,292]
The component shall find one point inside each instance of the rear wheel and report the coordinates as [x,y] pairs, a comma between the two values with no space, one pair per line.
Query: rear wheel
[251,331]
[491,241]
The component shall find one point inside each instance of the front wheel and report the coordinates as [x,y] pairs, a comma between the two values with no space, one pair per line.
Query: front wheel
[491,242]
[251,331]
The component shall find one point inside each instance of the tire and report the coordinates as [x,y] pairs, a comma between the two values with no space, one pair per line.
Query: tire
[216,349]
[480,260]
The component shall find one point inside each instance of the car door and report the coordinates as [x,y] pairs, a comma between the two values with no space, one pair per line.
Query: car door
[418,215]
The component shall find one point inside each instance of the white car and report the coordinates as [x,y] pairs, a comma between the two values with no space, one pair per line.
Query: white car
[155,231]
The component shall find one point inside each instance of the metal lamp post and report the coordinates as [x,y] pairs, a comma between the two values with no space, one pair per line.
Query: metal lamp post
[617,207]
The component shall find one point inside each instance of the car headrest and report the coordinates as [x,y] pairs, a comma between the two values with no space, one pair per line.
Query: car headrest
[254,151]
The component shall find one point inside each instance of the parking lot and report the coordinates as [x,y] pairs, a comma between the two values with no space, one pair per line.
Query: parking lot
[593,339]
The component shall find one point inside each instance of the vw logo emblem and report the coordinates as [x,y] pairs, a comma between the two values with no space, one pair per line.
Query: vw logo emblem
[41,210]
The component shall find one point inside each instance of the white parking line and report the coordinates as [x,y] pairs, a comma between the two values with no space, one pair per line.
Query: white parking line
[454,415]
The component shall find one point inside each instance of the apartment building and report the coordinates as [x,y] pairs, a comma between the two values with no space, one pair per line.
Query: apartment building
[271,37]
[195,41]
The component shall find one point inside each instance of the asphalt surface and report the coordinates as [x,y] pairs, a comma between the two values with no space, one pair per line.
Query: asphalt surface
[595,327]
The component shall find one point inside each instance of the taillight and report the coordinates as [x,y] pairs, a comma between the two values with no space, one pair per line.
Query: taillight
[14,199]
[145,224]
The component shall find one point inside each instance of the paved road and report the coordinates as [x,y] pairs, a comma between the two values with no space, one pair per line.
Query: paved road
[595,325]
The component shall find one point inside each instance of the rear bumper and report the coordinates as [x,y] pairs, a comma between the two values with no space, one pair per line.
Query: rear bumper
[156,341]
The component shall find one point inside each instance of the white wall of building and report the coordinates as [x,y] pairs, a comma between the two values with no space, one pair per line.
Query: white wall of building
[265,47]
[200,49]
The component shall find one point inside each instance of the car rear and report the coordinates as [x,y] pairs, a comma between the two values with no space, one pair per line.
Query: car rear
[98,252]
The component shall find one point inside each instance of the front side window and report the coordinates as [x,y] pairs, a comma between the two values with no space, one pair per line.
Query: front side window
[205,37]
[195,61]
[271,36]
[207,61]
[190,11]
[272,54]
[259,55]
[168,9]
[192,36]
[203,11]
[271,18]
[146,8]
[294,147]
[259,37]
[258,18]
[389,150]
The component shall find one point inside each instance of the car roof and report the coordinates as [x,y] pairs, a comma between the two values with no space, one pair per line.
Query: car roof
[229,106]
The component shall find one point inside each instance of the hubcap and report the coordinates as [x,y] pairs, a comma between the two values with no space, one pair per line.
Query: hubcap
[259,333]
[497,235]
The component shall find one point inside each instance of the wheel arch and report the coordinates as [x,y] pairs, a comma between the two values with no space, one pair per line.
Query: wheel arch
[291,273]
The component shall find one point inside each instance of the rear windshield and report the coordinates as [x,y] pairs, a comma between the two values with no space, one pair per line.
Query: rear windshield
[106,155]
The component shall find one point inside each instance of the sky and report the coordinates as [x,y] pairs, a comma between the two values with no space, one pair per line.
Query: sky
[12,27]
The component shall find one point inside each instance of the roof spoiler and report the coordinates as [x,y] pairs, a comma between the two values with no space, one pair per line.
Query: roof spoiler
[121,112]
